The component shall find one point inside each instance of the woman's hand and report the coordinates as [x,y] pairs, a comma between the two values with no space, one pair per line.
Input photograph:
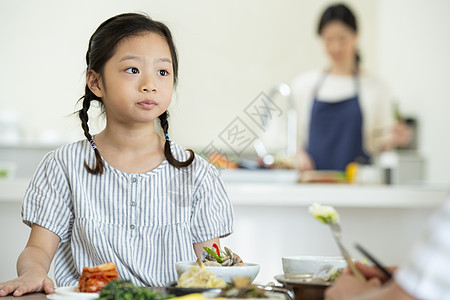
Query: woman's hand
[305,161]
[401,134]
[371,272]
[347,286]
[29,282]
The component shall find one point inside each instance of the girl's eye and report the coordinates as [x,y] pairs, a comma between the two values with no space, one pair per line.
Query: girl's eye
[132,70]
[163,72]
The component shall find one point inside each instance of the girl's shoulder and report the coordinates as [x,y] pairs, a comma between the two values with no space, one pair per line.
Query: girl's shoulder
[63,158]
[68,152]
[78,147]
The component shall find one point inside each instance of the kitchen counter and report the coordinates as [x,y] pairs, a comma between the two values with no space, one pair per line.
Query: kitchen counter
[292,194]
[339,195]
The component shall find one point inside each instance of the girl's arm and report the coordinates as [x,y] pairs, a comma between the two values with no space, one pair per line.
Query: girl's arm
[33,264]
[198,248]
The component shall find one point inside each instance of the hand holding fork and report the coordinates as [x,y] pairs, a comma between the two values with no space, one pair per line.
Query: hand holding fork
[328,215]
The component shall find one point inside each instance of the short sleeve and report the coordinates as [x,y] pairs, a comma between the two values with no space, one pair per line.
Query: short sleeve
[47,200]
[212,210]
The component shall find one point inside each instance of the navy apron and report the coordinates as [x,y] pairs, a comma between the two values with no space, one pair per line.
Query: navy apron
[335,132]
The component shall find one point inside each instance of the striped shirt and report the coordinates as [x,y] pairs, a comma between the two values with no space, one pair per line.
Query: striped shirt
[144,223]
[426,273]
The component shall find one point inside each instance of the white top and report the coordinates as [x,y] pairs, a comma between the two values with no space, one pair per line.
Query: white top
[425,274]
[144,223]
[376,101]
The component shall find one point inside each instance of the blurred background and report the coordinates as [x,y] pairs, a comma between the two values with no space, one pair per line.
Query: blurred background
[229,53]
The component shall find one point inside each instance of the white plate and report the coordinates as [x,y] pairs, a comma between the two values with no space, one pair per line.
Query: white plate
[71,292]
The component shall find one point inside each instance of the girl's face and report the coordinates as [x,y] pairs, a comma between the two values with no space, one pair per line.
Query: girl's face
[340,42]
[137,81]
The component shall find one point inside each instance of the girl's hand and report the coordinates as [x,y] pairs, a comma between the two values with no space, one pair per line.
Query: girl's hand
[29,282]
[198,248]
[33,264]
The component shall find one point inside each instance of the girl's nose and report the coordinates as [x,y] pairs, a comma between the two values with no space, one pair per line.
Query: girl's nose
[148,84]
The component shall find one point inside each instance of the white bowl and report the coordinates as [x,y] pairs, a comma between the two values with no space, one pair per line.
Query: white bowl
[228,273]
[310,264]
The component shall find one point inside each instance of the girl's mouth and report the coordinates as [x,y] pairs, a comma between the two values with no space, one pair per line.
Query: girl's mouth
[147,104]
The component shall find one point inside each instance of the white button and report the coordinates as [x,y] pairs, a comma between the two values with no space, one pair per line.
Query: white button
[133,203]
[134,179]
[132,226]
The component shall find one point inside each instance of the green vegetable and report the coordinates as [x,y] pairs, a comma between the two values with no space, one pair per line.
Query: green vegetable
[335,275]
[3,173]
[324,214]
[325,220]
[213,253]
[126,290]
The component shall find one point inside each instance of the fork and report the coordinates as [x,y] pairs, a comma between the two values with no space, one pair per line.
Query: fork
[276,289]
[337,233]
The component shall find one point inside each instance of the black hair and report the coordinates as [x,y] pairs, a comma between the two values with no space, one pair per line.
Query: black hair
[102,46]
[342,13]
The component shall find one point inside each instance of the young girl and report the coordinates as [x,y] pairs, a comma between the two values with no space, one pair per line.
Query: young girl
[126,195]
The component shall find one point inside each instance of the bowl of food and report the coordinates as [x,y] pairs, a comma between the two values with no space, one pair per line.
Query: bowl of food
[309,276]
[224,264]
[310,264]
[248,270]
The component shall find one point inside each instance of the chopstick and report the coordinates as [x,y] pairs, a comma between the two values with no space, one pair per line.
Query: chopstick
[373,260]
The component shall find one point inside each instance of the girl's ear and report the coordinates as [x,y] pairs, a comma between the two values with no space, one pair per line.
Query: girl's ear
[93,81]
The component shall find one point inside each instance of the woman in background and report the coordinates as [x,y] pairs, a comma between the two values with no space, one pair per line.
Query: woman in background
[345,114]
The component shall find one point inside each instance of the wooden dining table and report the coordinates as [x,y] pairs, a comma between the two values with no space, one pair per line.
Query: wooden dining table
[43,296]
[33,296]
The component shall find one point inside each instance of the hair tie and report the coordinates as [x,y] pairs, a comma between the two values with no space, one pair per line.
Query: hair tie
[93,145]
[167,137]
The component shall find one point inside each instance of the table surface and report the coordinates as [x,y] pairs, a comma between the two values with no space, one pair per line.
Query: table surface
[43,296]
[34,296]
